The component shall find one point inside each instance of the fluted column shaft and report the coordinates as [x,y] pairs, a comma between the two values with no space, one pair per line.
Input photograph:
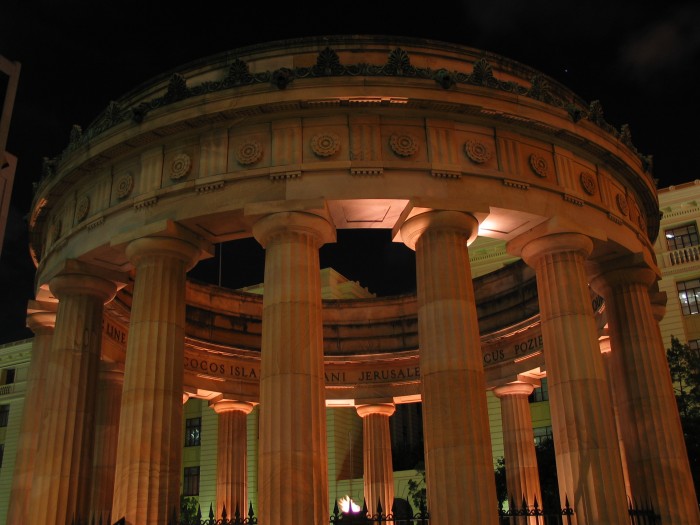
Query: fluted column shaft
[63,467]
[656,456]
[376,449]
[41,319]
[605,352]
[293,475]
[231,459]
[149,448]
[588,458]
[522,474]
[109,401]
[459,464]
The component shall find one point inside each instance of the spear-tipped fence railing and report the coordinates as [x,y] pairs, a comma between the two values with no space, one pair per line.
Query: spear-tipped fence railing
[534,514]
[364,517]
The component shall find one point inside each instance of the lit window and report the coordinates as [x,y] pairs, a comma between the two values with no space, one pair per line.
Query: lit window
[193,432]
[682,237]
[190,485]
[4,415]
[689,296]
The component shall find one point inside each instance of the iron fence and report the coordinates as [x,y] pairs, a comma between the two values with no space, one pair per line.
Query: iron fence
[364,517]
[534,515]
[515,515]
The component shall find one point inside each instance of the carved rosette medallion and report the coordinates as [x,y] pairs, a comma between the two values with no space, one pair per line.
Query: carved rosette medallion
[325,144]
[539,165]
[477,152]
[622,204]
[249,153]
[403,145]
[82,208]
[125,184]
[180,166]
[588,183]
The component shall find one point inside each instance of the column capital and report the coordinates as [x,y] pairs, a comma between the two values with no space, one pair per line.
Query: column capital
[382,409]
[41,316]
[658,303]
[415,226]
[604,281]
[516,388]
[170,247]
[77,282]
[556,243]
[270,226]
[221,406]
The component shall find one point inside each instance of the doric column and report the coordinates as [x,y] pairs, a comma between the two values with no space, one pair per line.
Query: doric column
[459,464]
[149,448]
[109,399]
[656,456]
[376,449]
[522,474]
[63,467]
[231,459]
[41,319]
[293,475]
[588,458]
[604,343]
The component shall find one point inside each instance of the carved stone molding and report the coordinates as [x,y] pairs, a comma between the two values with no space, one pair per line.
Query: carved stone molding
[539,165]
[366,171]
[572,199]
[325,144]
[145,203]
[283,175]
[622,204]
[516,184]
[180,166]
[588,183]
[249,153]
[477,152]
[94,224]
[82,208]
[446,174]
[125,183]
[403,145]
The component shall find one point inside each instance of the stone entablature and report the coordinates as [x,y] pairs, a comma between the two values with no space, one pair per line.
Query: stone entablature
[402,134]
[371,345]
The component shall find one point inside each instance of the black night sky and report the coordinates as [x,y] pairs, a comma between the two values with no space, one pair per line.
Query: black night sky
[641,60]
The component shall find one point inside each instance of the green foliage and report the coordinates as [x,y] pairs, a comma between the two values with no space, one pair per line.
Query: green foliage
[684,365]
[501,487]
[416,490]
[189,509]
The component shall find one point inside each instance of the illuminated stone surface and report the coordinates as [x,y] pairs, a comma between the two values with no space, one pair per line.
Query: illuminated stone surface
[63,466]
[656,458]
[292,449]
[313,135]
[589,467]
[41,319]
[376,453]
[232,447]
[522,475]
[458,457]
